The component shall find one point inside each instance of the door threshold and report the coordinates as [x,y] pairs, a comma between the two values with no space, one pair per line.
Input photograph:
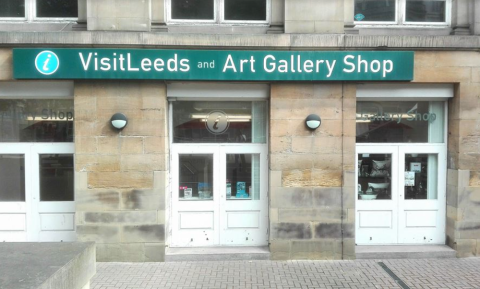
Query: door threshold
[216,253]
[404,252]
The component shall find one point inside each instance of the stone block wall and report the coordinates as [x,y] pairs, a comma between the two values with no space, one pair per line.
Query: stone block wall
[121,175]
[463,185]
[121,15]
[312,16]
[312,212]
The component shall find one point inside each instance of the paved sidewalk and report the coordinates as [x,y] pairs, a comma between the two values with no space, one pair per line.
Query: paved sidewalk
[415,273]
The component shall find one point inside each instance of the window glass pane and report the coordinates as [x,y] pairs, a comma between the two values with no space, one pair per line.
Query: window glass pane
[56,177]
[12,178]
[425,11]
[374,176]
[246,10]
[193,9]
[400,122]
[217,122]
[57,8]
[243,176]
[259,122]
[31,120]
[12,8]
[195,177]
[421,176]
[374,10]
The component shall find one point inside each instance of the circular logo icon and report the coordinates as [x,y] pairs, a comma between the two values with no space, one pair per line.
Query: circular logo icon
[217,122]
[47,62]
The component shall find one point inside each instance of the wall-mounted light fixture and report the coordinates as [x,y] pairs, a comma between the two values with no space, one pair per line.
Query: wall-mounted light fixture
[313,121]
[119,121]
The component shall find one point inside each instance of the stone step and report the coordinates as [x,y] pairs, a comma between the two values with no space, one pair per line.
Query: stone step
[216,254]
[404,252]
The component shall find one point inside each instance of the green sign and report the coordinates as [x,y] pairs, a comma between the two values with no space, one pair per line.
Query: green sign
[212,65]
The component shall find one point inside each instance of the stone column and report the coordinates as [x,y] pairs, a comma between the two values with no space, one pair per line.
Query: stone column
[313,16]
[460,17]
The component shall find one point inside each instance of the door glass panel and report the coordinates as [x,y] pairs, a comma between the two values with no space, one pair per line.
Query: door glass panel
[374,176]
[421,176]
[12,178]
[425,11]
[57,8]
[219,122]
[192,9]
[246,10]
[32,120]
[400,122]
[374,10]
[243,177]
[195,177]
[56,177]
[12,8]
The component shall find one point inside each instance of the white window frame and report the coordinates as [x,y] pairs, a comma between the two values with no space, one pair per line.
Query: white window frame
[400,8]
[31,15]
[218,16]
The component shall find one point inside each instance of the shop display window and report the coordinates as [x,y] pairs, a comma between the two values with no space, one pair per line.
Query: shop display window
[421,176]
[243,177]
[400,122]
[196,177]
[374,176]
[56,177]
[31,120]
[12,178]
[219,122]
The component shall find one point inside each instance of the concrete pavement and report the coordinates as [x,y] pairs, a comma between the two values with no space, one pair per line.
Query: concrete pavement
[415,273]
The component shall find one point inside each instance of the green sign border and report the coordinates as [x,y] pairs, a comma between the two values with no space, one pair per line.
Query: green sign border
[218,65]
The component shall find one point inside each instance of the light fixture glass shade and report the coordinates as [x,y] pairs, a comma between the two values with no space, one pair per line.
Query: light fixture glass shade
[313,121]
[119,121]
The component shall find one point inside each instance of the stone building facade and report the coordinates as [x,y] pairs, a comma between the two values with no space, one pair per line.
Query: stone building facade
[125,181]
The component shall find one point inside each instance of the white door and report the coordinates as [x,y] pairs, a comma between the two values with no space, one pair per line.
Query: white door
[36,193]
[401,193]
[219,195]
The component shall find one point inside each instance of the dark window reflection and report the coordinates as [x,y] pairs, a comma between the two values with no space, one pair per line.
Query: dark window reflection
[56,177]
[57,8]
[12,8]
[215,122]
[391,122]
[421,176]
[196,177]
[425,11]
[240,170]
[12,178]
[246,10]
[374,10]
[29,120]
[374,176]
[193,9]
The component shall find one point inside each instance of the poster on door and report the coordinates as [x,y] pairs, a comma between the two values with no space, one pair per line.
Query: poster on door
[409,179]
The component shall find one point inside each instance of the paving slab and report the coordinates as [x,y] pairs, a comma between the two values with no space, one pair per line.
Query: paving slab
[46,265]
[416,273]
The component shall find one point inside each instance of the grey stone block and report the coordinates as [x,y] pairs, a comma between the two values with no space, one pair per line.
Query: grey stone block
[327,197]
[291,231]
[143,233]
[328,231]
[121,252]
[144,200]
[99,234]
[143,217]
[291,198]
[310,215]
[154,252]
[90,200]
[314,250]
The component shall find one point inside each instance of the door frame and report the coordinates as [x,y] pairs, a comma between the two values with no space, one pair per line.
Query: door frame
[401,205]
[219,206]
[32,207]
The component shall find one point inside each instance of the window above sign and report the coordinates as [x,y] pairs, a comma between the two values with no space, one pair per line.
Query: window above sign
[403,12]
[218,11]
[38,10]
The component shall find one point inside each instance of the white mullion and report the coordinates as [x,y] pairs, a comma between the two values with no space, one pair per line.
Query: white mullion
[400,12]
[220,11]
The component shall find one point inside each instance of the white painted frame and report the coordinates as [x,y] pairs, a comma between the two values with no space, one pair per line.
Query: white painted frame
[33,207]
[31,15]
[219,17]
[400,22]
